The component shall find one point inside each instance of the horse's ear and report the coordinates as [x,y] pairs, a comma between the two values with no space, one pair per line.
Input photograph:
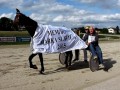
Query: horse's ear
[17,11]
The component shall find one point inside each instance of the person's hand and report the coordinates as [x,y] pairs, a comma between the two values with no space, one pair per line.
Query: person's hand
[88,43]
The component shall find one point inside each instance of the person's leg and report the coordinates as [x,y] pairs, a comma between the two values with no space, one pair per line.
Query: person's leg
[99,54]
[66,59]
[92,50]
[76,55]
[85,55]
[69,56]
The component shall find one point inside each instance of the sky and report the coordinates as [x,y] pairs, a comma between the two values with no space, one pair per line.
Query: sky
[69,13]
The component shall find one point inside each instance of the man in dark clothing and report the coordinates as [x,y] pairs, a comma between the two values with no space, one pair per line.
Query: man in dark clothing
[77,50]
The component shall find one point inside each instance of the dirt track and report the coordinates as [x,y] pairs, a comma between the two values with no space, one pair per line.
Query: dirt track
[15,73]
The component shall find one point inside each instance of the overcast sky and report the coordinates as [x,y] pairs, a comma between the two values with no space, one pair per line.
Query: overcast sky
[69,13]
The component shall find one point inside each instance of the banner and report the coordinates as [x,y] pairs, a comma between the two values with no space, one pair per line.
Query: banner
[7,39]
[23,39]
[53,39]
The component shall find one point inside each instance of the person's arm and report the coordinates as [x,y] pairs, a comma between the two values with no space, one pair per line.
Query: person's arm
[85,37]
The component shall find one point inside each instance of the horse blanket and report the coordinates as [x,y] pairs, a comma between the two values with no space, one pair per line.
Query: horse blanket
[55,39]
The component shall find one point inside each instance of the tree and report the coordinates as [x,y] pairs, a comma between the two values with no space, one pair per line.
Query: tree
[6,24]
[104,31]
[117,29]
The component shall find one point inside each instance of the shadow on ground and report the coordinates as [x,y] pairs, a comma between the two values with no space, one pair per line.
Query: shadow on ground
[109,63]
[81,65]
[75,66]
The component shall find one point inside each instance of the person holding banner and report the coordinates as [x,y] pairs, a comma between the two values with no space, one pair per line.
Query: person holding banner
[93,45]
[84,50]
[77,52]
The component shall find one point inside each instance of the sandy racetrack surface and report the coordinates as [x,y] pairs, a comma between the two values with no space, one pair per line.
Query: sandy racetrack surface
[15,73]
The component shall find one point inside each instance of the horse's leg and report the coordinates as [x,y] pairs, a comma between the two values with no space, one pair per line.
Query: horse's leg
[42,64]
[30,61]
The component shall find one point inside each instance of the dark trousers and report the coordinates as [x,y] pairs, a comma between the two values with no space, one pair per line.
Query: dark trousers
[68,60]
[77,54]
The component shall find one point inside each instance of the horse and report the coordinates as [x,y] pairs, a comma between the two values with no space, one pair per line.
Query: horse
[31,25]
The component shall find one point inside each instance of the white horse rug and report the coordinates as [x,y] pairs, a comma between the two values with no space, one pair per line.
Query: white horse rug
[54,39]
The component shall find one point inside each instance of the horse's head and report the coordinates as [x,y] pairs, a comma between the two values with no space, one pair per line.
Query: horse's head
[22,20]
[18,20]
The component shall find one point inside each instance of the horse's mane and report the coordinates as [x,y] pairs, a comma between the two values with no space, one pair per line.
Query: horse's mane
[29,23]
[27,20]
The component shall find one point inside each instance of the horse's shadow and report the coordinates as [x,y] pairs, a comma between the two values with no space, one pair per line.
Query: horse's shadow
[108,63]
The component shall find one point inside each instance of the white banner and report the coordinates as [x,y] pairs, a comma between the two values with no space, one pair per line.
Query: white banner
[54,39]
[7,39]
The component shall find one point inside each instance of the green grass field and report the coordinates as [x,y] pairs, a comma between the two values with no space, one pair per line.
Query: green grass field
[14,33]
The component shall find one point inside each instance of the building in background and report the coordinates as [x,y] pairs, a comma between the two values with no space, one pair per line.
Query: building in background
[112,30]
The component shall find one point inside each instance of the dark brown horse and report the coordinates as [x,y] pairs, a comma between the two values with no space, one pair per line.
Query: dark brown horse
[31,25]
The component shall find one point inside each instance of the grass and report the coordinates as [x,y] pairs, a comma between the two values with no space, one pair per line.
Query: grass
[112,37]
[14,43]
[14,34]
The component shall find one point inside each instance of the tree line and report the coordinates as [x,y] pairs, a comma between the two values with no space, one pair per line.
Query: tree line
[6,24]
[99,30]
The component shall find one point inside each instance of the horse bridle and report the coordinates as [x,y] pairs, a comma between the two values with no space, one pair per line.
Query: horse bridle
[17,20]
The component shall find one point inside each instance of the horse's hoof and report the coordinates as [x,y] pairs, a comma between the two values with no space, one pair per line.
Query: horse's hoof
[34,67]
